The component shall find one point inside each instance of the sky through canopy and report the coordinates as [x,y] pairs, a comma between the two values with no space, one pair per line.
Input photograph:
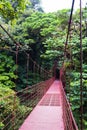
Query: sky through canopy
[54,5]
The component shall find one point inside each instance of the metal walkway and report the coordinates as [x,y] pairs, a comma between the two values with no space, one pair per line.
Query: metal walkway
[48,114]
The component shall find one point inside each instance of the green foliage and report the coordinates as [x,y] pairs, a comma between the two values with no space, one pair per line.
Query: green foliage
[43,36]
[1,125]
[7,71]
[40,34]
[6,104]
[74,94]
[5,92]
[11,107]
[10,10]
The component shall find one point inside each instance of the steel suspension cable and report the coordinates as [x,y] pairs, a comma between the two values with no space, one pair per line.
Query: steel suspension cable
[81,63]
[66,42]
[9,35]
[69,26]
[17,44]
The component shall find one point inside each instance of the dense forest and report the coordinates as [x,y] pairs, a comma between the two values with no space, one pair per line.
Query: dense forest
[41,35]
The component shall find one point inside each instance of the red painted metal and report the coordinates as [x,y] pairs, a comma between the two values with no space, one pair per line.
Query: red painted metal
[28,97]
[51,100]
[52,112]
[69,121]
[47,116]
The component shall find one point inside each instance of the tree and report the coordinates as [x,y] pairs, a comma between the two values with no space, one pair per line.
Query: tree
[43,36]
[41,31]
[9,10]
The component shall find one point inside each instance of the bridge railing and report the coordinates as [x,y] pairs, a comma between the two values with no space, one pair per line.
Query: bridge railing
[69,121]
[16,107]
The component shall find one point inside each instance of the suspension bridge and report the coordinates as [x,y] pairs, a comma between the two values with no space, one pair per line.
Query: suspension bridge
[47,107]
[52,111]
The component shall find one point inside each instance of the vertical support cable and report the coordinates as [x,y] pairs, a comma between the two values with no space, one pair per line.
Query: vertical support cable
[13,112]
[70,67]
[81,62]
[38,71]
[44,74]
[67,37]
[41,73]
[16,61]
[34,64]
[27,68]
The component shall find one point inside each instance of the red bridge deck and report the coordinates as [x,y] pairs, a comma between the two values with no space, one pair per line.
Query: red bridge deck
[47,115]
